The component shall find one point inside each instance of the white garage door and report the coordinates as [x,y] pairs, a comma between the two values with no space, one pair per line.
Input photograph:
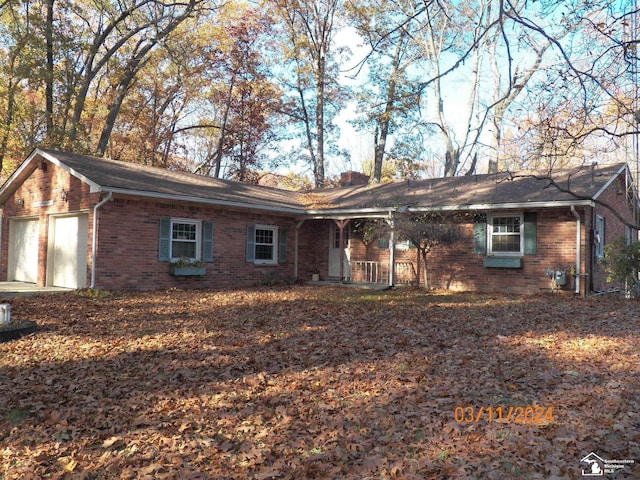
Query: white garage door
[69,268]
[23,250]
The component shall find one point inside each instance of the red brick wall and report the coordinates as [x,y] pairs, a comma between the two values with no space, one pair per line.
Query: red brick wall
[128,236]
[128,242]
[128,247]
[616,198]
[313,249]
[456,267]
[41,195]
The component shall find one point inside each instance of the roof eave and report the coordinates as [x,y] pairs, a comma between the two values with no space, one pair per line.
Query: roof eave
[507,206]
[345,213]
[610,181]
[53,159]
[206,201]
[384,211]
[22,171]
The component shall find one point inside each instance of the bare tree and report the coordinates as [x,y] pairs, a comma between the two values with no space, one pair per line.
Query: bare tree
[309,29]
[389,95]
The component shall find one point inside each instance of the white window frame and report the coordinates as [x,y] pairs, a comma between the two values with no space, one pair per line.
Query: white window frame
[197,241]
[345,239]
[491,234]
[404,245]
[630,234]
[275,245]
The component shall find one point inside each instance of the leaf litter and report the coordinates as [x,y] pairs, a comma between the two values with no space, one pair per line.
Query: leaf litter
[305,382]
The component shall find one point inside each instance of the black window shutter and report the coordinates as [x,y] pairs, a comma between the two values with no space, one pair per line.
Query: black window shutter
[383,242]
[164,240]
[530,233]
[282,245]
[207,241]
[251,243]
[480,238]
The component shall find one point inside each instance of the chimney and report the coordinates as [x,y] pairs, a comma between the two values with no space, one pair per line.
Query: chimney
[353,178]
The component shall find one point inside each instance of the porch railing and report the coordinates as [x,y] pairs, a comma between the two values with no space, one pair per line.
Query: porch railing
[361,271]
[406,274]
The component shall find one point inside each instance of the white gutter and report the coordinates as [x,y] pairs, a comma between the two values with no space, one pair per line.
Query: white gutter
[94,248]
[578,253]
[383,212]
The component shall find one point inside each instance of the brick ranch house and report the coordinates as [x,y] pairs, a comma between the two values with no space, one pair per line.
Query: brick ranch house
[76,221]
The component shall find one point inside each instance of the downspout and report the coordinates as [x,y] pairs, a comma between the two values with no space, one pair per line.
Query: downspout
[578,252]
[94,239]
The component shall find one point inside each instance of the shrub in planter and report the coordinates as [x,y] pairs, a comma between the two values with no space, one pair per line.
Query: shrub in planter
[186,267]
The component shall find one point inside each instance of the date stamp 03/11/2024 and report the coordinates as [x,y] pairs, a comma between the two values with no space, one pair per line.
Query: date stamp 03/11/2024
[527,415]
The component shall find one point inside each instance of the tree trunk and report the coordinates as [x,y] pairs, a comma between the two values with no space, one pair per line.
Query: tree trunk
[11,100]
[308,135]
[425,270]
[8,120]
[385,121]
[49,70]
[121,91]
[319,163]
[131,70]
[92,66]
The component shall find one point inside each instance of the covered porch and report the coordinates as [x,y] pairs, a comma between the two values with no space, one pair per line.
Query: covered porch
[341,253]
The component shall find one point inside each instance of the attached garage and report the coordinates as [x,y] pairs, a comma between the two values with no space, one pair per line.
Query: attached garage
[23,250]
[68,237]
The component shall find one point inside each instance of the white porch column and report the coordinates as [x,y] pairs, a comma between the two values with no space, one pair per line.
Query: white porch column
[341,226]
[392,250]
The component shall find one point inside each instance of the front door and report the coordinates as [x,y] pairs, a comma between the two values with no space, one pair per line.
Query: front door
[334,251]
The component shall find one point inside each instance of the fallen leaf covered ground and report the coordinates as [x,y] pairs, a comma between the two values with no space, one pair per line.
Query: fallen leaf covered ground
[305,382]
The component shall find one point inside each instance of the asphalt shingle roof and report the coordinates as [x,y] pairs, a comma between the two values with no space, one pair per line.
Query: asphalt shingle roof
[132,177]
[568,185]
[475,191]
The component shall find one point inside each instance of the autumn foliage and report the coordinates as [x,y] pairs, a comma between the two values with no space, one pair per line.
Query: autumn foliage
[306,382]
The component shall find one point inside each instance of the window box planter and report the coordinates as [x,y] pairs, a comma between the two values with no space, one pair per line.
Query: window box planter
[185,269]
[502,262]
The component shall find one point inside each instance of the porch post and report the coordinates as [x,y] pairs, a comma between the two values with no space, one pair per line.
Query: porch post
[341,224]
[392,250]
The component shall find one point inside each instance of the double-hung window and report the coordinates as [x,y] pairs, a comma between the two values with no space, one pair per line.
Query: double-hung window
[185,239]
[505,238]
[505,235]
[266,244]
[404,245]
